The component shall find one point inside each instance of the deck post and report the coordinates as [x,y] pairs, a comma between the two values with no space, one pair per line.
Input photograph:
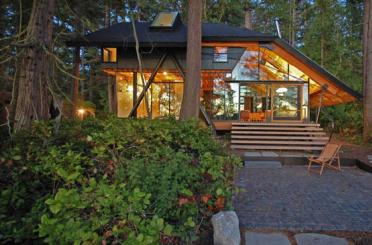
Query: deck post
[134,92]
[324,88]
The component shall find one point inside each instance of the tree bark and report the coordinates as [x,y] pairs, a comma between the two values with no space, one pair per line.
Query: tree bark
[110,94]
[248,18]
[191,100]
[33,95]
[293,23]
[367,71]
[76,73]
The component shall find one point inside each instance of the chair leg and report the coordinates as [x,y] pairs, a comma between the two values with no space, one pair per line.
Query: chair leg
[321,169]
[309,166]
[338,161]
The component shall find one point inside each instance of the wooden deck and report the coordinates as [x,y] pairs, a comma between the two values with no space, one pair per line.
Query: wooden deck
[275,136]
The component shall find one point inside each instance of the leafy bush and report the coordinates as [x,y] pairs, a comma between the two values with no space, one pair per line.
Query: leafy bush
[113,181]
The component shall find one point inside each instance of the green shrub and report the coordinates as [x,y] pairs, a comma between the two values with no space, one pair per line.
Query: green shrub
[113,181]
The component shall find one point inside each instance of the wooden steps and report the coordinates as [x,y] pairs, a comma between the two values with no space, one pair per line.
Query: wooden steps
[277,136]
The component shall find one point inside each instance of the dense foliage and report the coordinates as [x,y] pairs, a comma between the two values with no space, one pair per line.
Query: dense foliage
[112,181]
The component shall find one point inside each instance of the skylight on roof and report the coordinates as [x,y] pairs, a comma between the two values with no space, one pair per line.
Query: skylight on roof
[165,20]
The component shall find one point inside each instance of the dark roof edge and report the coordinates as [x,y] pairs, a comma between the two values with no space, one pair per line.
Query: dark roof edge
[298,54]
[124,44]
[86,43]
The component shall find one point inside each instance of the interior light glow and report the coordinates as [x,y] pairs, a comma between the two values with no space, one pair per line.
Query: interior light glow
[282,90]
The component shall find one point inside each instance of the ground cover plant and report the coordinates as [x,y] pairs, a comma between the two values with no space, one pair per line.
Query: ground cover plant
[112,181]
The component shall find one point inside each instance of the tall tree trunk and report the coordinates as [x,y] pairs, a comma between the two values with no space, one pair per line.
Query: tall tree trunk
[110,94]
[33,95]
[248,18]
[90,84]
[367,70]
[76,73]
[293,23]
[191,100]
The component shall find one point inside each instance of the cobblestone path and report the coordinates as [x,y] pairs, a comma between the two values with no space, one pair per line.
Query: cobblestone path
[290,198]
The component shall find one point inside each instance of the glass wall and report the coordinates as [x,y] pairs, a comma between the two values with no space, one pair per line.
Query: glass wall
[124,87]
[262,85]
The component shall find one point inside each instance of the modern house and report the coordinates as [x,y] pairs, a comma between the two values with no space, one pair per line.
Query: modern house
[249,79]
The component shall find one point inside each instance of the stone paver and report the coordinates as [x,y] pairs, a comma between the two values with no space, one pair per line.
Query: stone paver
[269,154]
[319,239]
[256,238]
[262,164]
[252,154]
[289,198]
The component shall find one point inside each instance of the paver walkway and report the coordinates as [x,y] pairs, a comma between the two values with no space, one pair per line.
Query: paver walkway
[290,198]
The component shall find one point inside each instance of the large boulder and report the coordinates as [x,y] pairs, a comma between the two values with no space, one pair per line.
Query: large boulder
[226,228]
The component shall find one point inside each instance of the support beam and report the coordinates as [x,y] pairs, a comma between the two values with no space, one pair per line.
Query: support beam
[147,86]
[178,66]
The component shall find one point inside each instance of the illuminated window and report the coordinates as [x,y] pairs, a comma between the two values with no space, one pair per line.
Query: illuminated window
[109,55]
[272,66]
[165,20]
[297,75]
[220,54]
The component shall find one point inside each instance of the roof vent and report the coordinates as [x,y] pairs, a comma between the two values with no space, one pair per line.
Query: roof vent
[166,20]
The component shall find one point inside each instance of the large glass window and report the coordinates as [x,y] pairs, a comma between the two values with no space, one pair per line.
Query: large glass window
[286,102]
[166,94]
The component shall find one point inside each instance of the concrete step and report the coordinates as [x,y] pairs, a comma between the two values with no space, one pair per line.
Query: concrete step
[262,164]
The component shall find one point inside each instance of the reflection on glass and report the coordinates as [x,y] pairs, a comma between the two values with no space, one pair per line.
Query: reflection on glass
[247,67]
[272,66]
[305,102]
[219,98]
[124,93]
[166,94]
[286,102]
[166,99]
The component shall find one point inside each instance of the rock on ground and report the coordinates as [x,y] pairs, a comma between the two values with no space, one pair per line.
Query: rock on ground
[319,239]
[226,228]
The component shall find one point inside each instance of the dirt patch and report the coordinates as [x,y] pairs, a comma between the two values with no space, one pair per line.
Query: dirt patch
[354,151]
